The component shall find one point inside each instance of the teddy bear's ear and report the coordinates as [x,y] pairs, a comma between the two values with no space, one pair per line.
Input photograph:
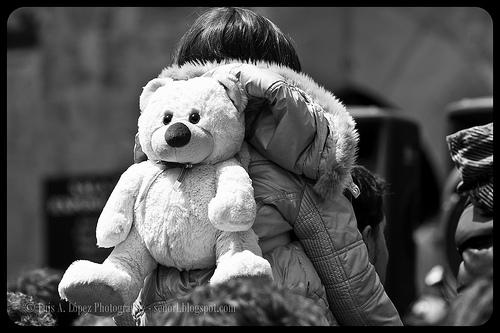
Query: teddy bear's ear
[149,89]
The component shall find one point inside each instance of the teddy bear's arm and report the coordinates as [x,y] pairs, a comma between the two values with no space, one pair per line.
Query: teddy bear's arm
[233,208]
[116,217]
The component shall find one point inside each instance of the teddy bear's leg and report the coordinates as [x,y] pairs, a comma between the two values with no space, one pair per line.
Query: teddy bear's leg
[110,287]
[238,254]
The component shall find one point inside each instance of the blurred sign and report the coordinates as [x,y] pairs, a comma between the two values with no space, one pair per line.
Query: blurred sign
[72,207]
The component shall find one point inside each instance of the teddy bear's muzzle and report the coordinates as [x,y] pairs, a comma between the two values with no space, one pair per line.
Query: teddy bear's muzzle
[180,142]
[177,135]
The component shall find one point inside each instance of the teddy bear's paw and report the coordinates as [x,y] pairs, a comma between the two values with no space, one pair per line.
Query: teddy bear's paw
[93,288]
[113,231]
[232,214]
[241,264]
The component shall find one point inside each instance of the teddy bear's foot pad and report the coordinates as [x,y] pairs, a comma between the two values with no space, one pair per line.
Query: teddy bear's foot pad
[94,288]
[89,297]
[242,264]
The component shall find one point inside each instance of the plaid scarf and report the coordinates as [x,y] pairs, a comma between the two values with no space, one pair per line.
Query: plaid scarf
[471,150]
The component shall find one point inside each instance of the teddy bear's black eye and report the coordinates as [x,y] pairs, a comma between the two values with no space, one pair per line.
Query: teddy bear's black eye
[194,118]
[167,118]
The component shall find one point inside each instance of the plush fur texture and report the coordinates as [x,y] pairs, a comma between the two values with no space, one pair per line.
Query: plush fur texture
[340,151]
[189,218]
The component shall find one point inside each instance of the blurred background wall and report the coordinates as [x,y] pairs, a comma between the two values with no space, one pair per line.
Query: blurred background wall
[74,76]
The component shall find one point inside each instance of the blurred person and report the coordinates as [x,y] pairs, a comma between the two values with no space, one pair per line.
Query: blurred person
[471,150]
[26,310]
[240,302]
[303,228]
[41,284]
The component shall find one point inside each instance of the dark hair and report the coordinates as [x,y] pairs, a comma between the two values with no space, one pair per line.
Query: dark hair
[42,284]
[369,206]
[236,33]
[252,301]
[25,310]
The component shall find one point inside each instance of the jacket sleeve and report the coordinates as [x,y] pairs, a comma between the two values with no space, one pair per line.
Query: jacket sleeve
[287,121]
[328,232]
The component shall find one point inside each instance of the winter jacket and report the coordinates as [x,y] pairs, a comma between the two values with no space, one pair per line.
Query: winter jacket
[301,145]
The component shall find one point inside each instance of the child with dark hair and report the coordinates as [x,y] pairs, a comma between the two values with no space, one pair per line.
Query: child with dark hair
[236,33]
[300,146]
[369,211]
[369,205]
[240,302]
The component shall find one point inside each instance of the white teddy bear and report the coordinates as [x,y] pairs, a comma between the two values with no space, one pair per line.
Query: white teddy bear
[189,206]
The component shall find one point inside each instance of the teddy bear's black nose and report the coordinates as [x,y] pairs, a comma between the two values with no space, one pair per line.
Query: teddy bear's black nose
[177,135]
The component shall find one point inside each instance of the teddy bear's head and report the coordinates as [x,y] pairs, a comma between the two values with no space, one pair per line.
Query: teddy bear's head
[189,121]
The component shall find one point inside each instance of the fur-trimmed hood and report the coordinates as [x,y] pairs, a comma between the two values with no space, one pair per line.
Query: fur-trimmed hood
[334,171]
